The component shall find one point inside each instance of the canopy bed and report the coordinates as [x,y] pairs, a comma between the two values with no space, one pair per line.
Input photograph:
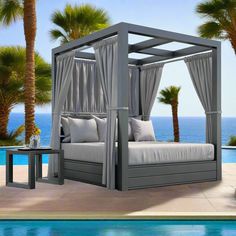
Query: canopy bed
[104,99]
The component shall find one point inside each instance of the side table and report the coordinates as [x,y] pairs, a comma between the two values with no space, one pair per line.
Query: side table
[32,155]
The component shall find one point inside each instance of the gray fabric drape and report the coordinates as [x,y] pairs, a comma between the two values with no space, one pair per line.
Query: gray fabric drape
[133,91]
[64,75]
[85,93]
[200,69]
[150,77]
[106,57]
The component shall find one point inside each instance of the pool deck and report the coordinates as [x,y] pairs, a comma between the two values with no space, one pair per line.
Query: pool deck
[75,200]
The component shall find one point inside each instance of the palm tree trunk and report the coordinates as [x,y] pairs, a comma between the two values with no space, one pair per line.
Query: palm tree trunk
[4,117]
[30,33]
[174,107]
[233,41]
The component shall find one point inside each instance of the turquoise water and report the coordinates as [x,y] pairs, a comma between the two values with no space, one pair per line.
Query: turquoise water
[118,228]
[228,156]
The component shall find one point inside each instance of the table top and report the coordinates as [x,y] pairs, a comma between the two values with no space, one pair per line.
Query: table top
[34,151]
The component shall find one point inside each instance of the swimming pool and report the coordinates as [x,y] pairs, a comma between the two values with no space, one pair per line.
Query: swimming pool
[117,228]
[228,156]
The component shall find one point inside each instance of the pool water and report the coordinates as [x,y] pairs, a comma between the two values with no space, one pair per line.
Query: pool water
[228,156]
[117,228]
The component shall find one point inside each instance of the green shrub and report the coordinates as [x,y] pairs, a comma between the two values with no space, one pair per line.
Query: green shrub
[232,141]
[13,138]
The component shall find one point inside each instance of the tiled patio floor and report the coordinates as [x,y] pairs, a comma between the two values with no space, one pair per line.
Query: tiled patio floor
[79,199]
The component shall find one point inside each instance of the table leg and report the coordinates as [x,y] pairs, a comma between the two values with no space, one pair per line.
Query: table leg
[38,166]
[9,168]
[61,167]
[31,171]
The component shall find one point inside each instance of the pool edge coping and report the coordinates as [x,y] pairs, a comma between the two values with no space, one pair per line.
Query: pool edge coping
[118,216]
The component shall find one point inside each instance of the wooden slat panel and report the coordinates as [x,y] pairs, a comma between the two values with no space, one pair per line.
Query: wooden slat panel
[83,166]
[83,177]
[144,182]
[163,169]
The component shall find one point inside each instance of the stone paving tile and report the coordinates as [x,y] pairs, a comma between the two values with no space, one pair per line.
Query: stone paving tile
[80,197]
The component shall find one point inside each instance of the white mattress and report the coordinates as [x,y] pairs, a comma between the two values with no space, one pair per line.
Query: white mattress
[143,152]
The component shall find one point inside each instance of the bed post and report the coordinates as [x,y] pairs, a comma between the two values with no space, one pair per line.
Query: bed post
[216,117]
[122,166]
[53,71]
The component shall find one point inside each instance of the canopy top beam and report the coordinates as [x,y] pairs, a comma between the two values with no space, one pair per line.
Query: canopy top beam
[148,47]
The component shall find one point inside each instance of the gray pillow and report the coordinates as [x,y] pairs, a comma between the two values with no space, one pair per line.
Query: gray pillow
[66,129]
[101,125]
[82,130]
[143,130]
[130,131]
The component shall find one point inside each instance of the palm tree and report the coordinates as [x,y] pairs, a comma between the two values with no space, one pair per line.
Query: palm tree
[12,76]
[220,21]
[11,11]
[170,96]
[77,21]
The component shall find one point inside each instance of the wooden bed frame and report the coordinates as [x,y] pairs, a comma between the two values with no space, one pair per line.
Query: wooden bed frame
[143,176]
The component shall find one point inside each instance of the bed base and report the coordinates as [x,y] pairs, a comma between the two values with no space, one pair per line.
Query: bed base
[146,176]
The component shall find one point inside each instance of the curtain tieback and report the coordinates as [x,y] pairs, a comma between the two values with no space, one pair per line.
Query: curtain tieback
[117,108]
[213,112]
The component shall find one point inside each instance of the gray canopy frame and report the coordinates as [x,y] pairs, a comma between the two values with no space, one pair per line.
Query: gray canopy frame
[125,175]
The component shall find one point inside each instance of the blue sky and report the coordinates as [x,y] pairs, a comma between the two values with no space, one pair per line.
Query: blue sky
[172,15]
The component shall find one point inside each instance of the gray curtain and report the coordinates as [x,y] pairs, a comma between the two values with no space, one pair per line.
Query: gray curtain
[85,93]
[106,57]
[133,90]
[200,69]
[150,77]
[64,76]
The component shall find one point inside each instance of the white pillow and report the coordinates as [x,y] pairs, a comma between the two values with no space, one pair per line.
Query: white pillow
[82,130]
[143,130]
[66,129]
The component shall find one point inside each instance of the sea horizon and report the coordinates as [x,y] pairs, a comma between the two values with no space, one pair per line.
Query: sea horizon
[49,113]
[192,128]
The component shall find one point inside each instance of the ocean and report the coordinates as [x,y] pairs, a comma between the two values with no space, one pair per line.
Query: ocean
[192,129]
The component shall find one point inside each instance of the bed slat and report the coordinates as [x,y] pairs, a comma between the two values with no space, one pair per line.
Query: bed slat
[170,168]
[172,179]
[87,167]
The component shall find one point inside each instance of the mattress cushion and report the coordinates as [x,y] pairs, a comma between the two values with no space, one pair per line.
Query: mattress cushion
[143,152]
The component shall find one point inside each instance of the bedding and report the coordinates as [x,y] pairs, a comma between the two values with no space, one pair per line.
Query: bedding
[143,152]
[101,124]
[142,130]
[82,130]
[66,129]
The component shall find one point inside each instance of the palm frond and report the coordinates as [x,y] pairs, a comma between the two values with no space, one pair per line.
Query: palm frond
[56,34]
[14,138]
[220,19]
[12,73]
[16,133]
[211,29]
[11,11]
[76,21]
[169,95]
